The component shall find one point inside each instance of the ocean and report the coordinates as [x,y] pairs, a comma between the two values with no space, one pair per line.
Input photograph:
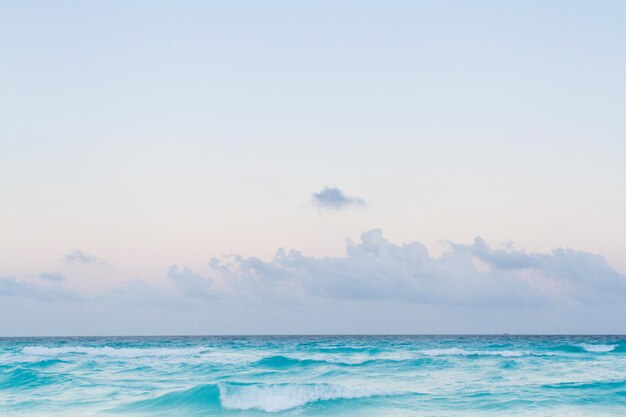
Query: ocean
[318,376]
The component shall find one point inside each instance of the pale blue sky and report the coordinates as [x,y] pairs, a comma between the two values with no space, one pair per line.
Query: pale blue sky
[151,134]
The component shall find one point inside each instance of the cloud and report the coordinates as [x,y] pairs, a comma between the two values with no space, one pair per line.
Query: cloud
[13,287]
[78,256]
[584,276]
[378,269]
[334,199]
[51,276]
[375,268]
[190,284]
[376,286]
[142,294]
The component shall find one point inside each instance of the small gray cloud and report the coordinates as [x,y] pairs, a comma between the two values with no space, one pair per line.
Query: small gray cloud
[79,257]
[190,283]
[51,276]
[332,198]
[13,287]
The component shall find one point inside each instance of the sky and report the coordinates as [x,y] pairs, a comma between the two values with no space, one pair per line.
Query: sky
[226,167]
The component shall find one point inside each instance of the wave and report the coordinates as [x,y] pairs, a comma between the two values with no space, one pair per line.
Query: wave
[463,352]
[22,378]
[508,364]
[280,397]
[567,349]
[109,351]
[349,349]
[257,396]
[221,357]
[584,347]
[587,385]
[46,363]
[598,348]
[286,362]
[407,363]
[282,362]
[203,396]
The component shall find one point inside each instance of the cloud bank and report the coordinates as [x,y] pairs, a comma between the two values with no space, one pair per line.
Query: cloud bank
[584,276]
[375,268]
[23,288]
[377,287]
[332,198]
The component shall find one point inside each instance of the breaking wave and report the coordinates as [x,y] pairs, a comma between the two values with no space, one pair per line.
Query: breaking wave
[257,396]
[284,362]
[598,348]
[279,397]
[202,396]
[463,352]
[109,351]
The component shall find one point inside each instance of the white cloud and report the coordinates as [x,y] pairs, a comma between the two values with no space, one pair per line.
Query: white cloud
[191,284]
[376,287]
[584,276]
[374,268]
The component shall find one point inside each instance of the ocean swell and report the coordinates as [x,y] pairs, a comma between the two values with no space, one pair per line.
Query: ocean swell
[202,396]
[248,396]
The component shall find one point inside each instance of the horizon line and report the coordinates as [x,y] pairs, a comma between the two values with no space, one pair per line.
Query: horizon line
[329,335]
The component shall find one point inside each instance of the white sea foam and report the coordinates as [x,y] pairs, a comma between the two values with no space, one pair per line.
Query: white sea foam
[598,348]
[279,397]
[462,352]
[231,357]
[110,351]
[352,359]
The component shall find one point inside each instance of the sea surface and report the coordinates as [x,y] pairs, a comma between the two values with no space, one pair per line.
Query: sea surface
[314,376]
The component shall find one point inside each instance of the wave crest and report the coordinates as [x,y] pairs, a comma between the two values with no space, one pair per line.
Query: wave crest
[280,397]
[463,352]
[109,351]
[23,378]
[201,396]
[598,348]
[281,362]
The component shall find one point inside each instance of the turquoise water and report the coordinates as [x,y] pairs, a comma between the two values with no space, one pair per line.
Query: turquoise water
[314,376]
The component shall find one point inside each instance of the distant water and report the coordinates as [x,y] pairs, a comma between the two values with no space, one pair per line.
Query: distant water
[314,376]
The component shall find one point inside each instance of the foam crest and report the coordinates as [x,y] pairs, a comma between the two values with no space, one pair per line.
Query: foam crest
[231,357]
[598,348]
[280,397]
[353,359]
[110,351]
[463,352]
